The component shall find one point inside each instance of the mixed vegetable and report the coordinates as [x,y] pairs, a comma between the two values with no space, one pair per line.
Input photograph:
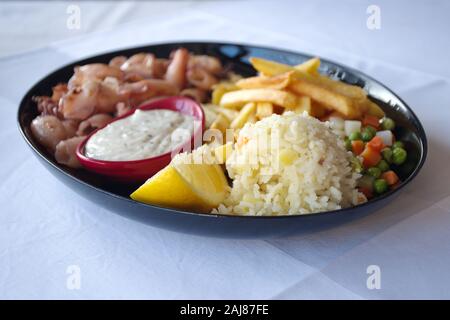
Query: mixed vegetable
[375,151]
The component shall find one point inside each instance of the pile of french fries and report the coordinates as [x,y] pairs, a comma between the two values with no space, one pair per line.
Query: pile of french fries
[279,88]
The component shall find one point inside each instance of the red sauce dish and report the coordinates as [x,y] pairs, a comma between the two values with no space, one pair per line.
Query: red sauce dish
[140,170]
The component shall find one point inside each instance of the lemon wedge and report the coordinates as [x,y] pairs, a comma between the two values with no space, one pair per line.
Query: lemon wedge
[196,187]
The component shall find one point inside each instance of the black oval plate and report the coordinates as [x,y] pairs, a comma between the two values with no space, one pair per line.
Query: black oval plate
[115,196]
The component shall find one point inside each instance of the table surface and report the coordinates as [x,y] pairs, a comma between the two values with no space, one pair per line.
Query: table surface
[56,244]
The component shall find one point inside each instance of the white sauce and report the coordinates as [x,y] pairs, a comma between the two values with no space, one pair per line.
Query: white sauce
[144,134]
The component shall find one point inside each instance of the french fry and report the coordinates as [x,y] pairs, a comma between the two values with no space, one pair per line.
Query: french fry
[310,66]
[304,104]
[374,109]
[222,152]
[244,115]
[229,113]
[327,98]
[263,109]
[312,108]
[349,100]
[272,68]
[236,99]
[305,73]
[269,68]
[210,116]
[279,82]
[335,114]
[357,94]
[220,89]
[221,123]
[348,90]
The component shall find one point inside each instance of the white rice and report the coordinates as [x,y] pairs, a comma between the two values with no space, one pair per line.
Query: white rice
[289,164]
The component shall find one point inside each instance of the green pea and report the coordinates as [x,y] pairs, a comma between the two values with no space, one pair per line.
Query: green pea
[380,186]
[387,154]
[371,129]
[383,165]
[366,182]
[374,172]
[368,133]
[355,136]
[398,144]
[348,144]
[399,156]
[388,124]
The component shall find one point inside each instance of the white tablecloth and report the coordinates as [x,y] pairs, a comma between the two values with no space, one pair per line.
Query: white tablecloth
[46,228]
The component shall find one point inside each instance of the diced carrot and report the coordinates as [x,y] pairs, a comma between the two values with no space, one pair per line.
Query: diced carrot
[366,191]
[376,143]
[370,120]
[370,156]
[357,147]
[390,177]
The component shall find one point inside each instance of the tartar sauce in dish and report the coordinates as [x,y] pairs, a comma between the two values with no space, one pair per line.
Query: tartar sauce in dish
[144,134]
